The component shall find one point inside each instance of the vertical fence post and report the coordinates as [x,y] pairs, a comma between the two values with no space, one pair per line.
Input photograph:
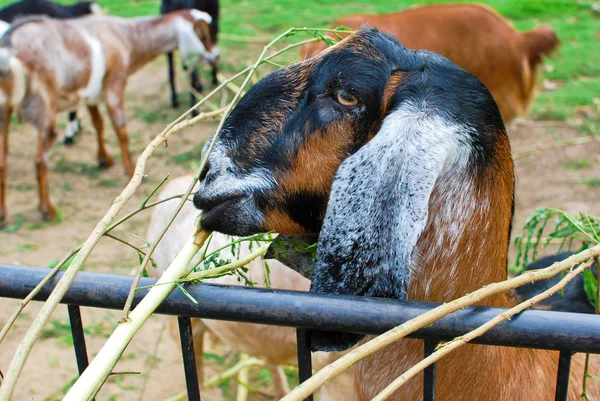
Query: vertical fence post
[304,358]
[189,359]
[78,337]
[562,378]
[429,372]
[78,334]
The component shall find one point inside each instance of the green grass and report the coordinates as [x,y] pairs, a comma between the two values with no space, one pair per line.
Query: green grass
[576,66]
[592,182]
[578,164]
[60,330]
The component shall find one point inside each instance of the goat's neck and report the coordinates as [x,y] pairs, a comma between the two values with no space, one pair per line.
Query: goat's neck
[465,243]
[151,37]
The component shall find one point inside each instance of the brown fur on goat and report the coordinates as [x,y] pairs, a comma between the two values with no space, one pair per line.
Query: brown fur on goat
[420,203]
[48,66]
[275,345]
[475,38]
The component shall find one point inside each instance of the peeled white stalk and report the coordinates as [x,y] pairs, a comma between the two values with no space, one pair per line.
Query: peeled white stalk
[92,379]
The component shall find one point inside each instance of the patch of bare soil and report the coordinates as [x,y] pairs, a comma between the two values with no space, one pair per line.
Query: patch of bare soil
[82,194]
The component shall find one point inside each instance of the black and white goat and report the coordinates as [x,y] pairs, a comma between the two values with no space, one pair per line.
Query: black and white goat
[211,7]
[399,161]
[25,8]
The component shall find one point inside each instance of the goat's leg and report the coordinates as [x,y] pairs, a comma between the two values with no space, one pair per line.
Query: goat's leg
[104,159]
[197,86]
[174,99]
[73,128]
[117,116]
[215,72]
[46,137]
[5,113]
[279,381]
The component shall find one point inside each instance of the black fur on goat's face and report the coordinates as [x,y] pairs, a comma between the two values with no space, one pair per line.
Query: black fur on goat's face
[276,157]
[384,152]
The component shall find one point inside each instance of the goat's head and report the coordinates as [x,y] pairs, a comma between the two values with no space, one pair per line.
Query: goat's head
[196,43]
[353,145]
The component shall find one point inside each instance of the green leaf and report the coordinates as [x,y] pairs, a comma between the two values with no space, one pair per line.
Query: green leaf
[590,286]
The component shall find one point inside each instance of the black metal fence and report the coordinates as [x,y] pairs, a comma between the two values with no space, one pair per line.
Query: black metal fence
[565,332]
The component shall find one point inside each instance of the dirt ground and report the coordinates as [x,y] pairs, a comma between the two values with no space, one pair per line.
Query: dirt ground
[82,194]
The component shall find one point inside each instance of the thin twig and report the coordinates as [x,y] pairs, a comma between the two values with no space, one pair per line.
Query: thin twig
[9,323]
[34,292]
[242,379]
[204,160]
[122,241]
[332,370]
[151,360]
[470,336]
[24,348]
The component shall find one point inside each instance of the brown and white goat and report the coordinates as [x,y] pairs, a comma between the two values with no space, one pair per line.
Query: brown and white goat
[399,161]
[48,66]
[275,345]
[475,38]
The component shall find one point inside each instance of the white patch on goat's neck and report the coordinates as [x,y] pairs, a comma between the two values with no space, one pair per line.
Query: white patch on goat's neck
[190,46]
[93,91]
[201,16]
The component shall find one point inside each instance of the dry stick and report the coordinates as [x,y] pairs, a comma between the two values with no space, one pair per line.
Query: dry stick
[470,336]
[231,86]
[242,379]
[178,208]
[34,292]
[61,263]
[94,376]
[335,368]
[25,346]
[92,379]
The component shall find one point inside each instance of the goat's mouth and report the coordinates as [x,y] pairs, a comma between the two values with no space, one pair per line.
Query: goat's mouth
[215,206]
[234,215]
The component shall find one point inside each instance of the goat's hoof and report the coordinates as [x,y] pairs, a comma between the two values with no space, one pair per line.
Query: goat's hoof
[48,214]
[105,162]
[175,103]
[69,141]
[194,113]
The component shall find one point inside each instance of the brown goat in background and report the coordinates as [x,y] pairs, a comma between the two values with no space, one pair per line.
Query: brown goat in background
[48,66]
[474,37]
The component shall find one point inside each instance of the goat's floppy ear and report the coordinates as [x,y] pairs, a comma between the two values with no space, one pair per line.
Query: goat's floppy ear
[378,209]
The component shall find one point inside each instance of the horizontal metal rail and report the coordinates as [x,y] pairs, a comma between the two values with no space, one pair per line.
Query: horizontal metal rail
[531,329]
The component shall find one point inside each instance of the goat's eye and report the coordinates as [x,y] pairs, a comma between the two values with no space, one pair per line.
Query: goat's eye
[346,99]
